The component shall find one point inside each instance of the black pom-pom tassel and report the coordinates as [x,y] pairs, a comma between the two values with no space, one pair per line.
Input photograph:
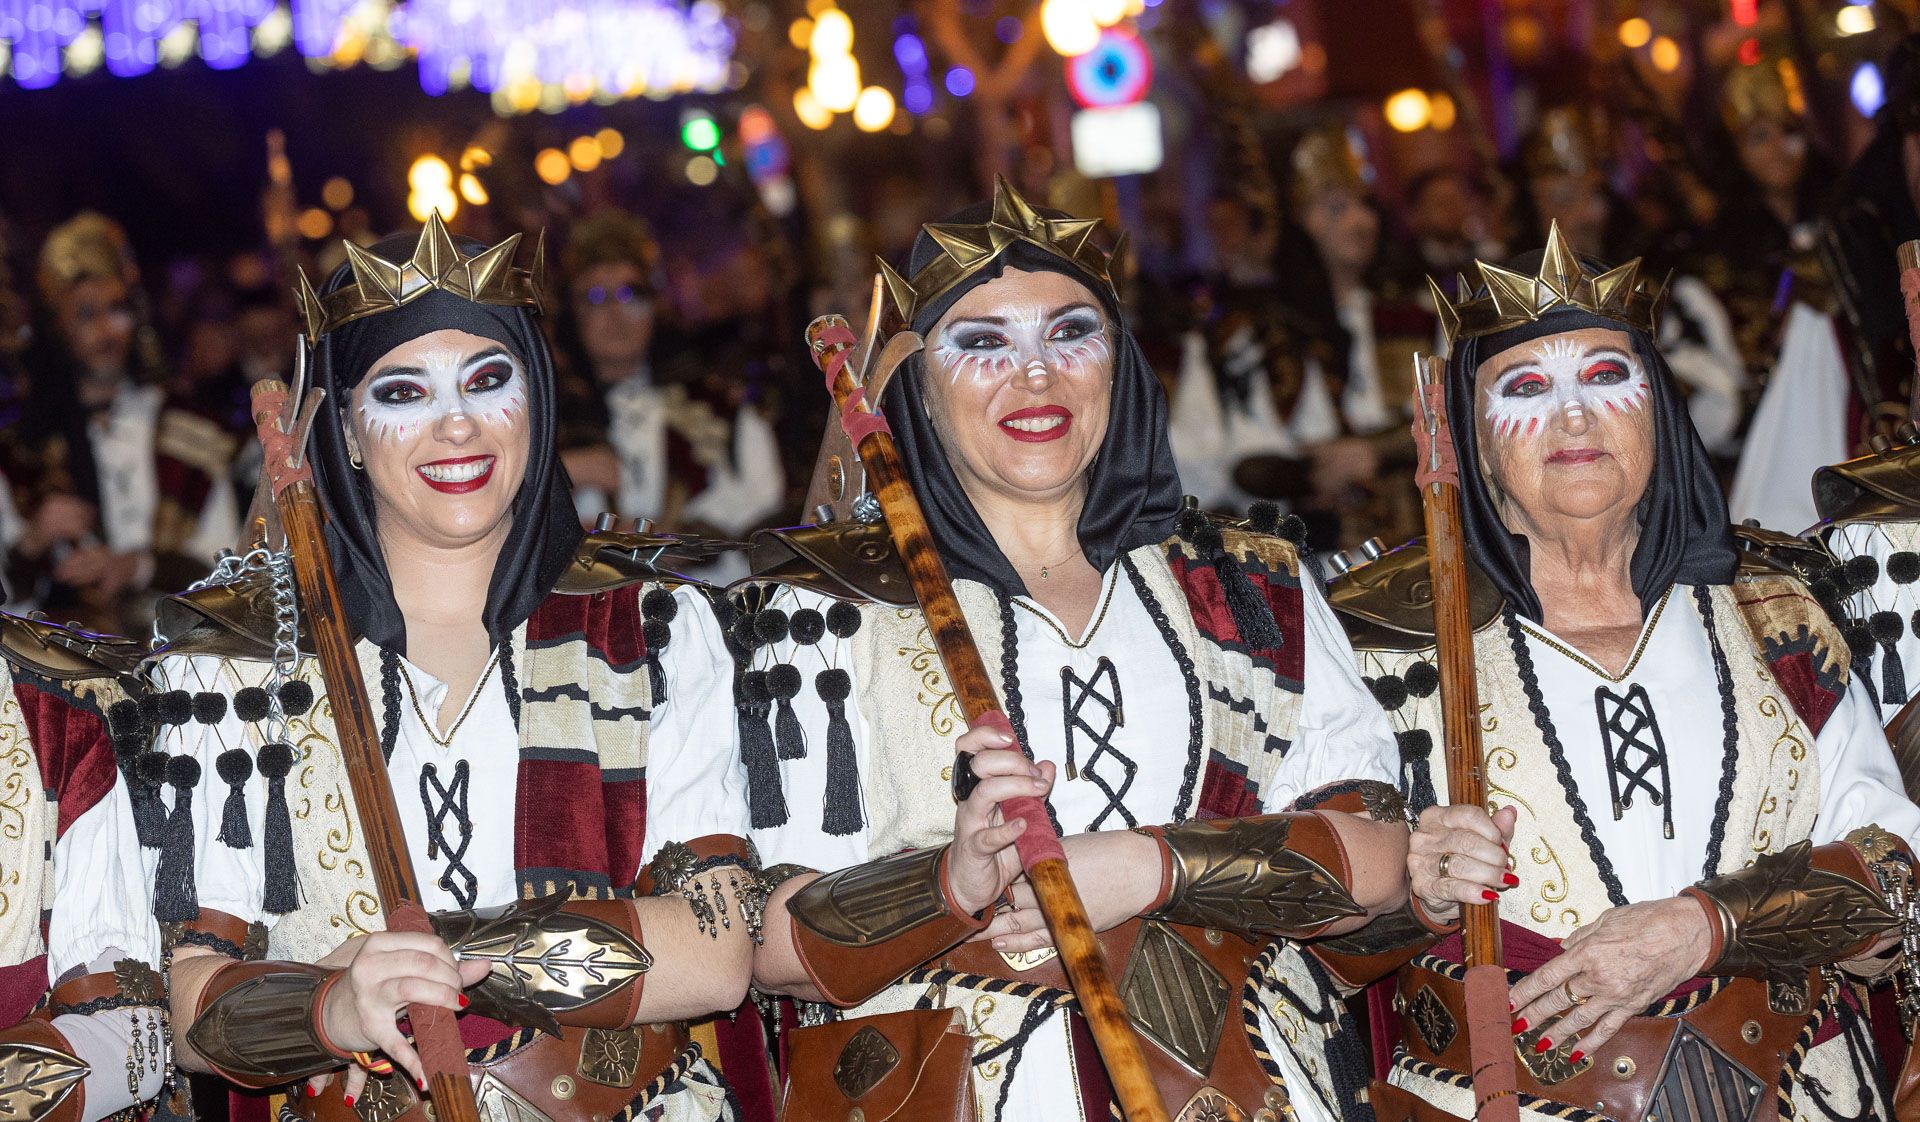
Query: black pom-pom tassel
[175,897]
[657,634]
[252,704]
[296,697]
[1251,615]
[1263,517]
[1861,572]
[125,723]
[1904,567]
[1886,628]
[659,604]
[807,626]
[281,886]
[766,799]
[844,815]
[176,707]
[843,620]
[783,684]
[770,625]
[1421,679]
[1416,751]
[1390,690]
[1294,529]
[149,773]
[235,768]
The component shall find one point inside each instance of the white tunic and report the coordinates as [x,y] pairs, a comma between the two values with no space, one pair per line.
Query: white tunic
[1674,667]
[122,439]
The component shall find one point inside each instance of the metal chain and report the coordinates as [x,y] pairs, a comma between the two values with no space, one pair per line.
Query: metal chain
[277,565]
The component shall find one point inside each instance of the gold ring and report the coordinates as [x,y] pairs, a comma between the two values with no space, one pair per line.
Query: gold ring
[1572,998]
[1446,859]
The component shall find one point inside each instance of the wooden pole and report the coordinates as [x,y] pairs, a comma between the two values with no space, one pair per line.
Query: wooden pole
[831,342]
[436,1035]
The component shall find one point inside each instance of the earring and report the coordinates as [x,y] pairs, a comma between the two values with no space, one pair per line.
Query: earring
[353,458]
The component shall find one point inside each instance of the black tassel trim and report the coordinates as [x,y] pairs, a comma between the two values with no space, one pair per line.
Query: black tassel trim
[1252,617]
[844,815]
[1416,752]
[843,619]
[235,768]
[783,684]
[251,704]
[296,697]
[766,797]
[281,886]
[143,789]
[657,611]
[1885,629]
[175,897]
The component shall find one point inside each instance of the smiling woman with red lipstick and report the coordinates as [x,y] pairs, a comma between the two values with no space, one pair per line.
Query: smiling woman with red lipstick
[558,726]
[1158,667]
[1677,762]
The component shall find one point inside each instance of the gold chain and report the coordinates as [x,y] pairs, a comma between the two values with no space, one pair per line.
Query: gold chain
[447,740]
[1106,602]
[1640,648]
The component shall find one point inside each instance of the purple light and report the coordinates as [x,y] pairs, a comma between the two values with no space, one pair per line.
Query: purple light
[1008,30]
[1867,90]
[911,54]
[960,81]
[918,96]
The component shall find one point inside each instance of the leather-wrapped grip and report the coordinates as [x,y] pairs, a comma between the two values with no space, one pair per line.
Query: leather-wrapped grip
[1792,910]
[859,929]
[41,1080]
[258,1023]
[1270,875]
[555,961]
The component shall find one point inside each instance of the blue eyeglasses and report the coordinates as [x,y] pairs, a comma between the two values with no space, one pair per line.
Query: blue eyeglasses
[626,295]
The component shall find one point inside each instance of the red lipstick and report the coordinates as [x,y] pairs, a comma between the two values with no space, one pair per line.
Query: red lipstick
[465,479]
[1041,423]
[1577,456]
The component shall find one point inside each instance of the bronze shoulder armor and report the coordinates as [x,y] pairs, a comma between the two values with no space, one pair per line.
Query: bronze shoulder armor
[845,560]
[66,653]
[233,620]
[1387,604]
[1771,553]
[1881,486]
[609,559]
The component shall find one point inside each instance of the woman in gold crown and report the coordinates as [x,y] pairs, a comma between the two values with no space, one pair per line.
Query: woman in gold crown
[1183,700]
[1695,815]
[556,718]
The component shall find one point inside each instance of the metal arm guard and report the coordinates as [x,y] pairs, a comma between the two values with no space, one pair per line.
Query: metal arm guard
[41,1080]
[858,930]
[258,1023]
[555,961]
[1272,875]
[1800,908]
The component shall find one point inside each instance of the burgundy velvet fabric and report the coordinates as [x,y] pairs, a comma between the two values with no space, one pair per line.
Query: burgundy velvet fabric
[21,988]
[70,740]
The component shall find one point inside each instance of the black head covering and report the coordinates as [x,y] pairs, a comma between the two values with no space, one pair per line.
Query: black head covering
[545,528]
[1684,534]
[1133,488]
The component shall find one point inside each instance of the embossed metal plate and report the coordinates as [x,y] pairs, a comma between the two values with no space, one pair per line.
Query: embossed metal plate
[1699,1083]
[385,1098]
[1210,1105]
[501,1103]
[610,1057]
[1175,997]
[867,1058]
[1436,1026]
[1027,960]
[1555,1065]
[35,1080]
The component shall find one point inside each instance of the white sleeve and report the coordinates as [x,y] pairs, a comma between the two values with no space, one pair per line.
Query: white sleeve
[695,782]
[1343,734]
[104,1041]
[101,894]
[744,495]
[219,524]
[1859,783]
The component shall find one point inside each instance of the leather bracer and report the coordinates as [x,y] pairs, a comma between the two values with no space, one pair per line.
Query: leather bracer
[41,1080]
[1272,875]
[1385,944]
[858,930]
[555,961]
[258,1023]
[1796,909]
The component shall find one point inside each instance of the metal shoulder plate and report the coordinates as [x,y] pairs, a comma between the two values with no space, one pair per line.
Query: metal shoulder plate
[1770,553]
[66,653]
[545,960]
[1387,604]
[1881,486]
[874,902]
[610,559]
[235,620]
[845,560]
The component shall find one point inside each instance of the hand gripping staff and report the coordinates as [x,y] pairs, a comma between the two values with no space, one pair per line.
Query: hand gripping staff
[1489,1034]
[831,343]
[435,1034]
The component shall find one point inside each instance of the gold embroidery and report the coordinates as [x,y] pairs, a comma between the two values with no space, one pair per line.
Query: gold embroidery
[943,708]
[1553,885]
[977,1016]
[1787,729]
[16,794]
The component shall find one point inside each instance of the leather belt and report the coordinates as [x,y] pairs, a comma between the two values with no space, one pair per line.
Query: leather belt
[1718,1062]
[584,1074]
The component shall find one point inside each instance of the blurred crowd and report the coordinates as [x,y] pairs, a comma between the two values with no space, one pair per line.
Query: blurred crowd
[1285,341]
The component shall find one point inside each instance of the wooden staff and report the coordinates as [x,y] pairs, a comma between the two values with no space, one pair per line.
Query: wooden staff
[831,342]
[436,1035]
[1489,1031]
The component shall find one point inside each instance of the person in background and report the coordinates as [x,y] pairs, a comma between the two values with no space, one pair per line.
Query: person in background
[124,491]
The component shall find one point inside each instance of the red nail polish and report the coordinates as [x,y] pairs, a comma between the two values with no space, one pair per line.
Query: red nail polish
[1511,880]
[1543,1046]
[423,1084]
[1489,895]
[1519,1025]
[1576,1056]
[348,1100]
[463,1001]
[1509,1006]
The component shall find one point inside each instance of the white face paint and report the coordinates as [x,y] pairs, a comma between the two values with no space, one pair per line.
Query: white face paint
[1026,339]
[488,388]
[1565,376]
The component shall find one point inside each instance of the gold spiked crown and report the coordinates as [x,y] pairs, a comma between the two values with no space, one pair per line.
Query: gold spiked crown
[968,249]
[379,285]
[1513,299]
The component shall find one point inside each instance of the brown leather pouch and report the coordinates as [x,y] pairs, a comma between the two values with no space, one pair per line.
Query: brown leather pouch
[913,1065]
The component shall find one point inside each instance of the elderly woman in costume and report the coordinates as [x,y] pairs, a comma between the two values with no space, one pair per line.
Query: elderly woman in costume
[1694,813]
[1183,700]
[554,717]
[75,913]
